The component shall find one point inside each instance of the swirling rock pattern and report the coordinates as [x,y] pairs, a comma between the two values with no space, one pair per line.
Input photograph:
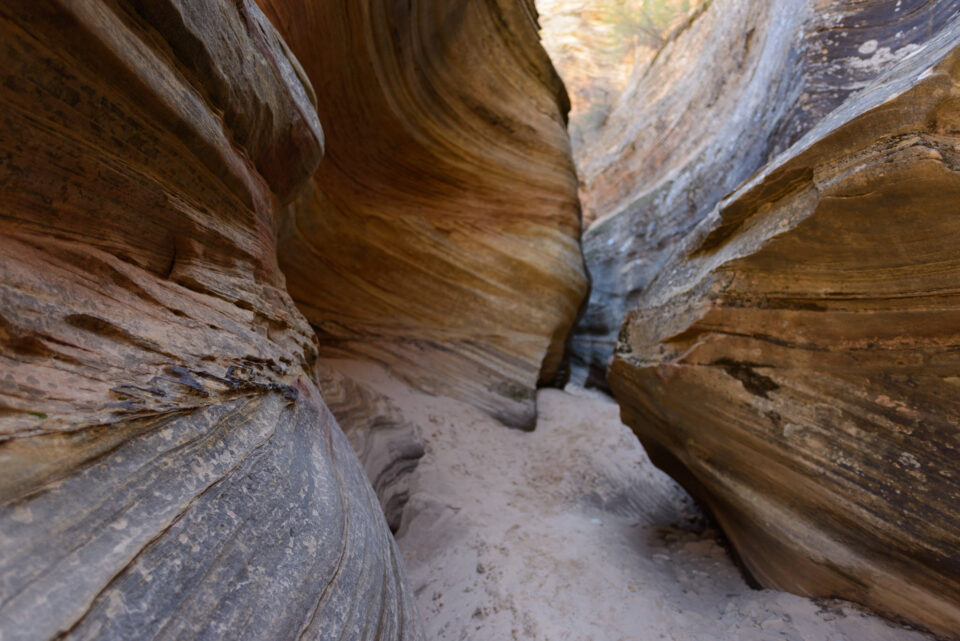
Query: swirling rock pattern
[388,445]
[167,466]
[444,223]
[733,88]
[795,362]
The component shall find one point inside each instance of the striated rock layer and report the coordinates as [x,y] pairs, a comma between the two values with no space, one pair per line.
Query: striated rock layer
[795,362]
[596,45]
[444,222]
[732,89]
[167,466]
[388,445]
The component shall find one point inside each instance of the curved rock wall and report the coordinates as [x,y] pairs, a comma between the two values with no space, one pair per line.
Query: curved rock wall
[736,85]
[167,466]
[444,221]
[388,445]
[794,360]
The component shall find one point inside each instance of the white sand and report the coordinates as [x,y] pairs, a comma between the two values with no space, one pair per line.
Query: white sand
[569,532]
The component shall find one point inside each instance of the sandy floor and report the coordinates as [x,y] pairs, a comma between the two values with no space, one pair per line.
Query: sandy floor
[569,532]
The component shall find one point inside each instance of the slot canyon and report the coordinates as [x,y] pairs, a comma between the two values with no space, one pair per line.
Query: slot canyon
[604,320]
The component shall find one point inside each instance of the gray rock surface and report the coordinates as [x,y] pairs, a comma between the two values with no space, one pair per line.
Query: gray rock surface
[168,468]
[388,445]
[215,524]
[734,87]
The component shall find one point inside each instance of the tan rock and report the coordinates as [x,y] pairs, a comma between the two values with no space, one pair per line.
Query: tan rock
[442,234]
[596,45]
[168,468]
[795,361]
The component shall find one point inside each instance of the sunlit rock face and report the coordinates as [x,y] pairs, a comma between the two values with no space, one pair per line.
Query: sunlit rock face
[581,37]
[441,237]
[595,46]
[734,87]
[794,361]
[167,466]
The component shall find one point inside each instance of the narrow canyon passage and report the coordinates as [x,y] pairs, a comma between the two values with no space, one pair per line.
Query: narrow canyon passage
[416,320]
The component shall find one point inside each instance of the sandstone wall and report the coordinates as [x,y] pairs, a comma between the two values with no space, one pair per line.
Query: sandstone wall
[167,466]
[792,358]
[734,87]
[442,234]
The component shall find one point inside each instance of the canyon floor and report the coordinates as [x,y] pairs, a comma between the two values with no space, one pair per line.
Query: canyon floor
[570,533]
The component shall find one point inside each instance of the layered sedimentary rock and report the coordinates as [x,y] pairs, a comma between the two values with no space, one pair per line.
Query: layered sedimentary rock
[735,86]
[595,46]
[582,40]
[444,221]
[795,362]
[167,466]
[388,445]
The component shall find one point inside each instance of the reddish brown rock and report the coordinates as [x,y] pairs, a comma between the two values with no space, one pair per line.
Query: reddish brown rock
[441,236]
[167,466]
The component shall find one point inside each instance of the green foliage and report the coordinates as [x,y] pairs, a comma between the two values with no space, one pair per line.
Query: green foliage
[639,23]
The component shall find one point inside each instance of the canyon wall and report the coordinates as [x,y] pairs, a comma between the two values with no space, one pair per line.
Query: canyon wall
[441,236]
[168,468]
[172,463]
[388,445]
[736,85]
[789,349]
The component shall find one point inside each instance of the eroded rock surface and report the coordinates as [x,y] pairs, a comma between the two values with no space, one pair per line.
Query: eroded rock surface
[794,362]
[444,221]
[167,466]
[388,445]
[733,88]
